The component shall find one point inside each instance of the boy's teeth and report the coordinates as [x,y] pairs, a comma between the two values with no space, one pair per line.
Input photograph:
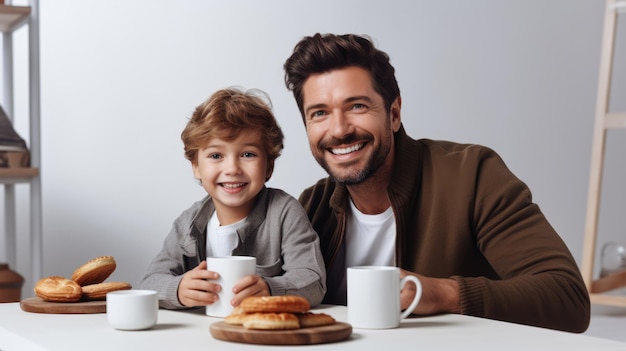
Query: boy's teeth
[233,185]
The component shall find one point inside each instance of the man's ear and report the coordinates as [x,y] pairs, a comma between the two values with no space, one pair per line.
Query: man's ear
[394,114]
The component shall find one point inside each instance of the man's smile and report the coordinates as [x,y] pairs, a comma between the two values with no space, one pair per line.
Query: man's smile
[347,150]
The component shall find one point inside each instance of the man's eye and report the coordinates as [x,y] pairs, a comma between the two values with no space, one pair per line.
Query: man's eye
[358,106]
[318,114]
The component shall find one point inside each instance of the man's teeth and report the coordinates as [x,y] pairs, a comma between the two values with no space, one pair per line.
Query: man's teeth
[347,150]
[232,186]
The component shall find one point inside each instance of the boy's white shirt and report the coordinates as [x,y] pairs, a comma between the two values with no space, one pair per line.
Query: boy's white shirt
[221,240]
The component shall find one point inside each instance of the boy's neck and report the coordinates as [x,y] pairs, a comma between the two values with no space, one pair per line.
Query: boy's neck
[229,215]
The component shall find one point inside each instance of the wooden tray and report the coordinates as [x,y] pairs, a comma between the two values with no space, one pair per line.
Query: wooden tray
[304,336]
[38,305]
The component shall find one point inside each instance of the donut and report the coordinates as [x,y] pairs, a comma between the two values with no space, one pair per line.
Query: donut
[276,304]
[95,271]
[99,291]
[58,289]
[271,321]
[310,319]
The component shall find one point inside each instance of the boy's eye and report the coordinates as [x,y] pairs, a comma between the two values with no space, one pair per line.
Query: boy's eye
[248,154]
[215,156]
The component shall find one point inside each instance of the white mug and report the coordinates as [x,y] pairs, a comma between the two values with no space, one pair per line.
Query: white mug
[374,296]
[132,309]
[231,269]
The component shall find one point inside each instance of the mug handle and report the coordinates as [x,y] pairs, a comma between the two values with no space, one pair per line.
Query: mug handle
[418,294]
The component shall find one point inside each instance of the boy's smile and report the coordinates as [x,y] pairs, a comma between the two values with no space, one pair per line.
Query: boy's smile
[233,172]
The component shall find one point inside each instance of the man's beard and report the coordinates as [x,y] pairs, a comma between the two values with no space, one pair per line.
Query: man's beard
[356,176]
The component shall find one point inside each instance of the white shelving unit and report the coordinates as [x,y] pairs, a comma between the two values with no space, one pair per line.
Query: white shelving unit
[11,19]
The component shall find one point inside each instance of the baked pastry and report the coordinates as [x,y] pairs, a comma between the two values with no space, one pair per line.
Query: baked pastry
[276,304]
[95,271]
[236,317]
[58,289]
[271,321]
[310,319]
[99,291]
[277,313]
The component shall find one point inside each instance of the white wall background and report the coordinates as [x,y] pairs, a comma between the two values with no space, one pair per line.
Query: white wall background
[120,78]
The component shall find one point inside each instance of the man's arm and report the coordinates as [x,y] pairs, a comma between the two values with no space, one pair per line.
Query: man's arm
[439,295]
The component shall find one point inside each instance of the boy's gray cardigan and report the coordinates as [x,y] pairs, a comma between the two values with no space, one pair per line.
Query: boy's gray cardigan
[277,232]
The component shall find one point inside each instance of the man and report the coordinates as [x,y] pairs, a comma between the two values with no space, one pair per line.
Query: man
[451,214]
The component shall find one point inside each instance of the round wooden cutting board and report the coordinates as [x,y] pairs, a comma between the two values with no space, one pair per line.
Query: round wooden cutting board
[304,336]
[38,305]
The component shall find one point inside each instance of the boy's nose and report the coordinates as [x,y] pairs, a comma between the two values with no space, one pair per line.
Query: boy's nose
[232,165]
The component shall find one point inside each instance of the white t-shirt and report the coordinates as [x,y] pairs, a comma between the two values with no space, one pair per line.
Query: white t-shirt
[221,240]
[370,239]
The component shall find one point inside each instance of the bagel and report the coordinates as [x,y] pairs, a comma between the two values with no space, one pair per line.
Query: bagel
[94,271]
[58,289]
[99,291]
[277,313]
[236,317]
[275,304]
[310,319]
[271,321]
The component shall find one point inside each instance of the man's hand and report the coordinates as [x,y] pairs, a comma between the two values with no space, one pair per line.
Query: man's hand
[196,288]
[439,295]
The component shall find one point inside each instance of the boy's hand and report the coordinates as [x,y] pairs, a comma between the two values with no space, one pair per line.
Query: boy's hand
[250,285]
[196,288]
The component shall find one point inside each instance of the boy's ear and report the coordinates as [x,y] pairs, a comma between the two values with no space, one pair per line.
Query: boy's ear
[270,170]
[196,171]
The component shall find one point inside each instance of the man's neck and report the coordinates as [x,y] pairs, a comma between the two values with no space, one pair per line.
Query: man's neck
[369,201]
[370,196]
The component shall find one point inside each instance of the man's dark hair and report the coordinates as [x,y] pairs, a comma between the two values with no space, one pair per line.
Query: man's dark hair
[326,52]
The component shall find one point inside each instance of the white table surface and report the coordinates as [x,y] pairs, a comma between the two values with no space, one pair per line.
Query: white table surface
[187,330]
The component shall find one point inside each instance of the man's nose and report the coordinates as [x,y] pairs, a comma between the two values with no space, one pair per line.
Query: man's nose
[340,125]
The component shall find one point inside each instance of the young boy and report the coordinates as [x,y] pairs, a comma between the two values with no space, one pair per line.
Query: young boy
[232,140]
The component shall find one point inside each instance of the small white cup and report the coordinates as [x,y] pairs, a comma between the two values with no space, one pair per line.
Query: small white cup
[231,269]
[132,309]
[374,296]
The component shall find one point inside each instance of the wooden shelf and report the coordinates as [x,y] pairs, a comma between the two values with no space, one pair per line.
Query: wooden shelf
[603,299]
[600,289]
[12,17]
[11,20]
[17,175]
